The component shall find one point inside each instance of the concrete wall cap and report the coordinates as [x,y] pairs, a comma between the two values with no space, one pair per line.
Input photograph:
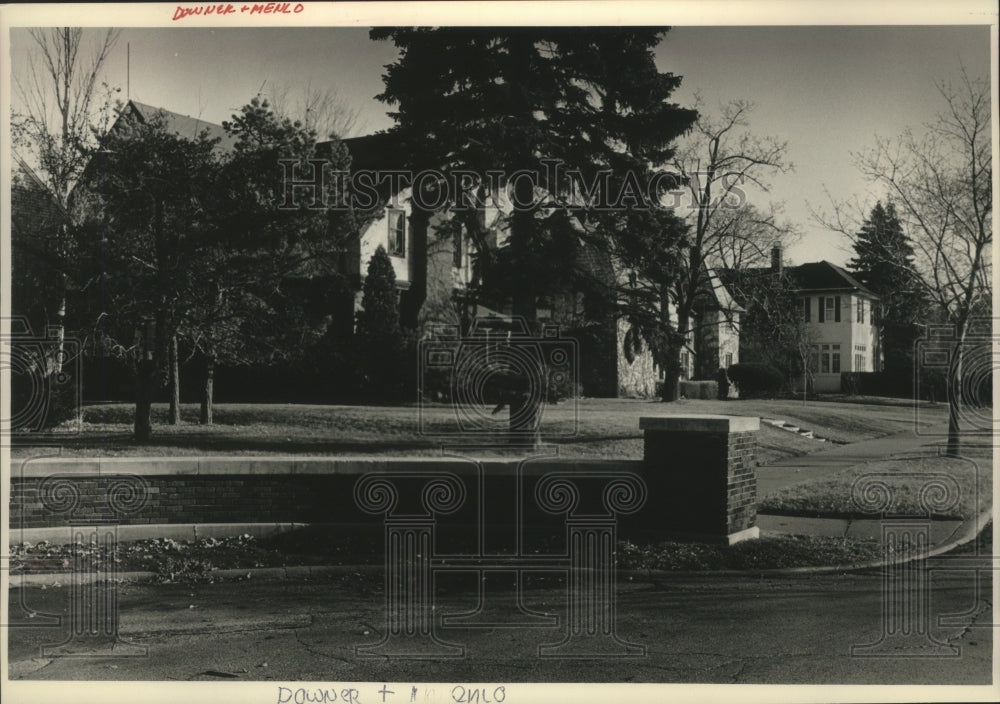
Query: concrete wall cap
[701,423]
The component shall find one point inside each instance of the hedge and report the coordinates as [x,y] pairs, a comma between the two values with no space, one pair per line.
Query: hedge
[699,389]
[756,380]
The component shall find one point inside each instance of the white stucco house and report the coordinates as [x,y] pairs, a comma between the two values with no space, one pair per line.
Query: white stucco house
[840,313]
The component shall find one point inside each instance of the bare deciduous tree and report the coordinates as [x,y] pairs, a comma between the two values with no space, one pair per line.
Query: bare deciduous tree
[746,235]
[717,163]
[324,111]
[59,108]
[941,180]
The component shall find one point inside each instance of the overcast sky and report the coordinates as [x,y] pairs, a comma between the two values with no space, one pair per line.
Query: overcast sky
[826,90]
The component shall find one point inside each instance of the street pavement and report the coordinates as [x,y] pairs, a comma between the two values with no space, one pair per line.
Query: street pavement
[694,628]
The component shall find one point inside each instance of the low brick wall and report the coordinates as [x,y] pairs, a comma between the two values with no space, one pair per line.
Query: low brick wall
[697,479]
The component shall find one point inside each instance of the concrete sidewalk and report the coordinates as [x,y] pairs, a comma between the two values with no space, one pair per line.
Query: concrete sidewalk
[817,465]
[795,470]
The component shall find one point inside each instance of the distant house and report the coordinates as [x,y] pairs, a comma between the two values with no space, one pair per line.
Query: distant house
[839,313]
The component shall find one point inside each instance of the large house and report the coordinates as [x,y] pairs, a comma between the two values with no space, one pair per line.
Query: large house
[434,262]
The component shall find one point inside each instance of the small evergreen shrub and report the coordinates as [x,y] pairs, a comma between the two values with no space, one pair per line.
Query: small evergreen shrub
[756,380]
[722,379]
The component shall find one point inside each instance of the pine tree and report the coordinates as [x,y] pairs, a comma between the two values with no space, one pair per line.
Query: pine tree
[884,263]
[381,343]
[516,100]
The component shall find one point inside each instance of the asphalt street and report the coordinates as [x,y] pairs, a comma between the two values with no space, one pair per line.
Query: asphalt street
[695,628]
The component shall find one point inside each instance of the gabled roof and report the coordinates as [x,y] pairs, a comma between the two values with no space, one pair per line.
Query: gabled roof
[812,276]
[42,194]
[723,297]
[34,210]
[183,125]
[824,276]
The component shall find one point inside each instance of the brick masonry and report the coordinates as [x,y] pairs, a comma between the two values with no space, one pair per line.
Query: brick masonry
[193,499]
[703,481]
[698,471]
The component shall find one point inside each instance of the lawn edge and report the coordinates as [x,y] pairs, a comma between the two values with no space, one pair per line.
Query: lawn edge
[969,531]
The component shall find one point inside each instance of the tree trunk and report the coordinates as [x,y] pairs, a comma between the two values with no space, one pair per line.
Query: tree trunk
[153,347]
[207,392]
[143,425]
[954,389]
[525,407]
[174,416]
[669,391]
[671,361]
[60,326]
[414,297]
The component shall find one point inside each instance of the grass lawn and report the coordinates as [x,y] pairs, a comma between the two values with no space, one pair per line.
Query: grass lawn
[832,496]
[588,428]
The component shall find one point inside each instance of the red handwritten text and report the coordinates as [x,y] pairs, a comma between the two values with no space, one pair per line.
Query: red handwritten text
[275,8]
[268,8]
[182,12]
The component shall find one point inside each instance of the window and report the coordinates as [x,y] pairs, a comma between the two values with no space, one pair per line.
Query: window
[684,365]
[397,233]
[829,358]
[860,357]
[729,359]
[861,310]
[828,301]
[808,307]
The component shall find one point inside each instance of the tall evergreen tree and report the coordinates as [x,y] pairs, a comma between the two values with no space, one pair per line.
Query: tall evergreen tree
[381,343]
[517,100]
[884,263]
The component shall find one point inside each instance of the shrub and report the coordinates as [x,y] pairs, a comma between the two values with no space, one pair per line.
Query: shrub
[850,383]
[756,380]
[699,389]
[385,351]
[722,379]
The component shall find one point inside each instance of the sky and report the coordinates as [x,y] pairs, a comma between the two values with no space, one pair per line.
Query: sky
[826,90]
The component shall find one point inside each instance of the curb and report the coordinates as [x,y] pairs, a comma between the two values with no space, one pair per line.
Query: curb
[969,531]
[58,579]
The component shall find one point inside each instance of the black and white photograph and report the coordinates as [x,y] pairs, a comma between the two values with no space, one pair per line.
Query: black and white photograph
[498,352]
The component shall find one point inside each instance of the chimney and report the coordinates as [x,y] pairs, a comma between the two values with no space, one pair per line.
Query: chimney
[776,265]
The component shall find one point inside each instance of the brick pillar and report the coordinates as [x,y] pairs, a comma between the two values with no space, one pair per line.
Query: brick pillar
[701,477]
